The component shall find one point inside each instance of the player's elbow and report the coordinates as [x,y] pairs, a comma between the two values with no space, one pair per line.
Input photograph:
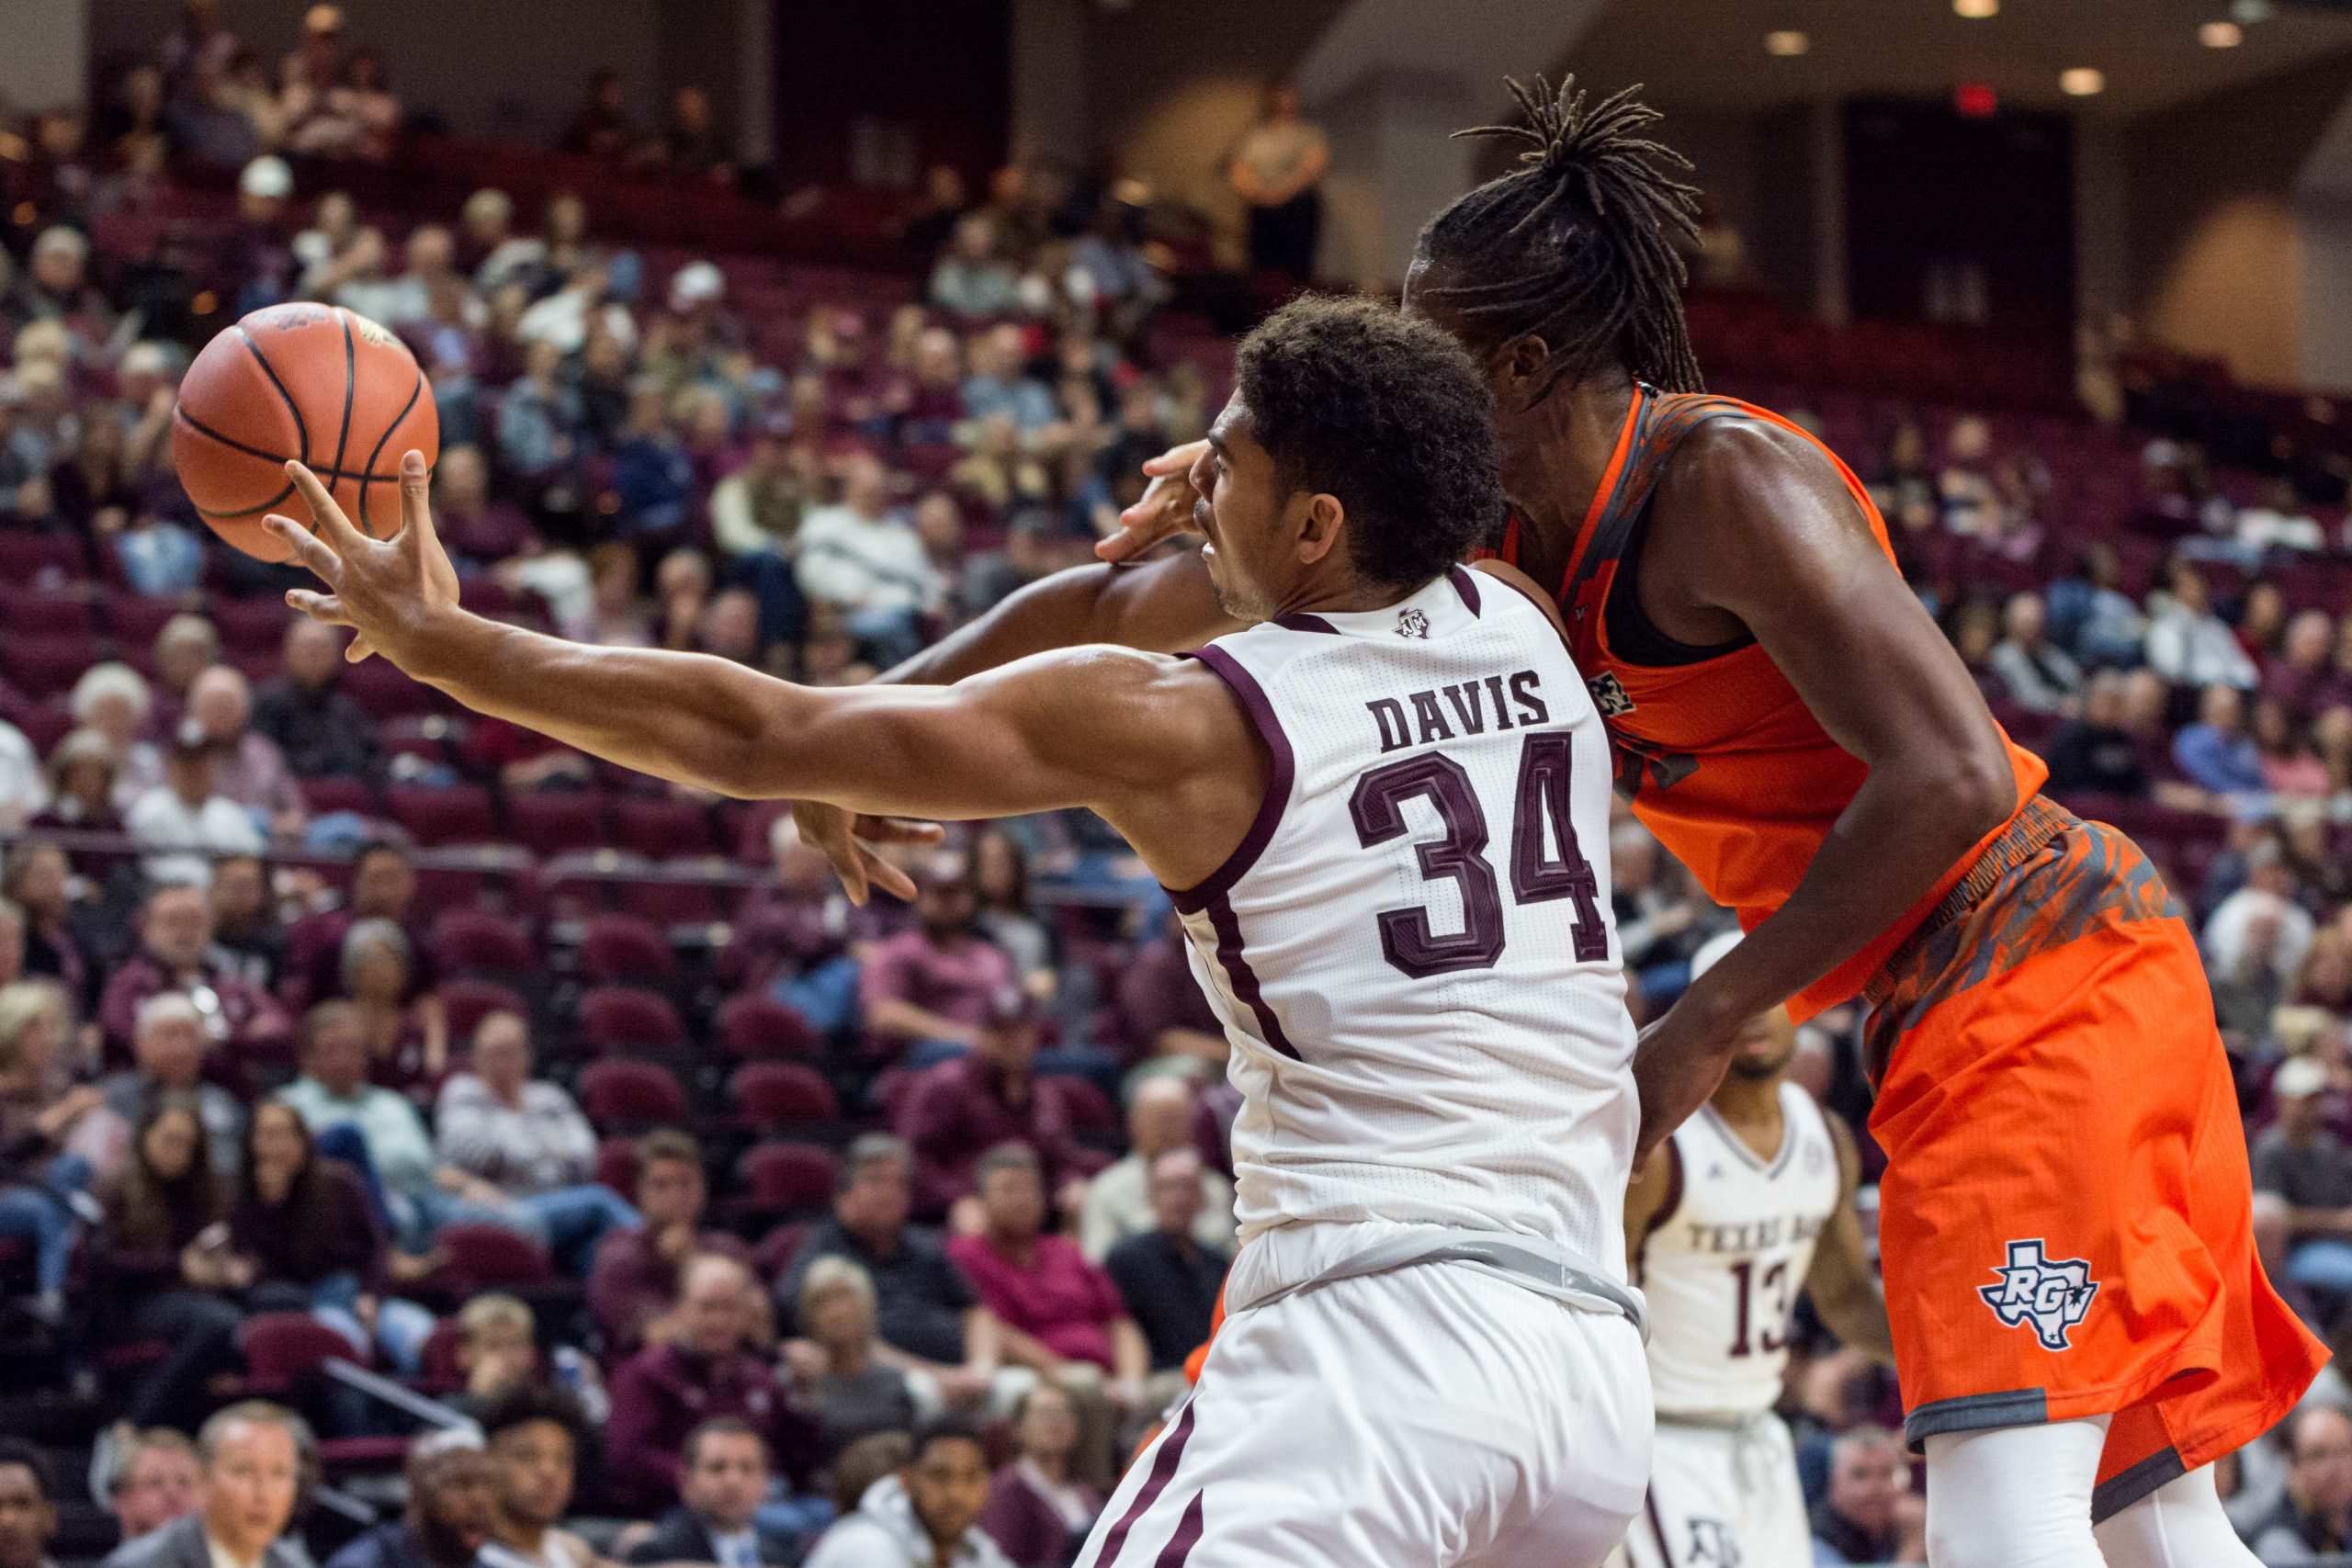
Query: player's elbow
[1968,790]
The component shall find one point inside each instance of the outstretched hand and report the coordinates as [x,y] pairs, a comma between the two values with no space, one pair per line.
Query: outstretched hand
[1165,509]
[390,592]
[846,839]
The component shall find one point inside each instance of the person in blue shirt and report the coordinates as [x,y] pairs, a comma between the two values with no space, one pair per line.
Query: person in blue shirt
[2216,752]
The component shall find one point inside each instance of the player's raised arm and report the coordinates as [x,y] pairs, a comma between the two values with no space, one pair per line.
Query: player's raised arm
[1089,727]
[1775,539]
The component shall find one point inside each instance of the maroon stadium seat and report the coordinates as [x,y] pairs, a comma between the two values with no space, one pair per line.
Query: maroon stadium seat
[1090,1108]
[779,1247]
[630,1093]
[252,626]
[616,1166]
[766,1093]
[619,947]
[382,691]
[664,830]
[556,822]
[133,619]
[34,560]
[30,614]
[467,1002]
[283,1348]
[619,1018]
[787,1175]
[325,794]
[752,1026]
[43,724]
[48,666]
[459,815]
[467,939]
[488,1257]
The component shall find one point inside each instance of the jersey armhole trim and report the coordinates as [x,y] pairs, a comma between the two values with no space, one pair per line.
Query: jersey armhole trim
[1279,775]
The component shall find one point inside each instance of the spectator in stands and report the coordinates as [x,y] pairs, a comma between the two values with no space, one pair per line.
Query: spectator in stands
[691,144]
[155,1480]
[473,524]
[2188,645]
[923,1516]
[55,287]
[27,1507]
[452,1503]
[2279,521]
[960,1108]
[2291,771]
[600,127]
[166,1263]
[1869,1514]
[633,1288]
[407,1041]
[2298,679]
[1000,382]
[2095,754]
[176,956]
[249,769]
[333,1089]
[581,305]
[1057,1313]
[1168,1276]
[971,282]
[722,1481]
[302,1227]
[533,1433]
[652,476]
[186,819]
[1003,912]
[319,731]
[44,1186]
[1278,171]
[168,1048]
[1119,1201]
[2040,676]
[35,880]
[928,991]
[82,773]
[2255,940]
[246,934]
[539,426]
[2302,1184]
[196,42]
[252,1456]
[363,108]
[1036,1510]
[2216,752]
[253,262]
[931,1321]
[2312,1520]
[383,887]
[838,1372]
[664,1391]
[526,1138]
[1164,1014]
[861,555]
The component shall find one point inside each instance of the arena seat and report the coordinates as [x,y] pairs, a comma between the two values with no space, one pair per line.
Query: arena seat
[664,830]
[616,1166]
[489,1257]
[554,823]
[460,814]
[623,1093]
[27,613]
[793,1177]
[38,560]
[466,1002]
[43,667]
[753,1026]
[622,1018]
[617,947]
[469,940]
[766,1094]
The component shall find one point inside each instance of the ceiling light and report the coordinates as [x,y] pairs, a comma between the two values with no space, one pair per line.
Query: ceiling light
[1786,43]
[2221,35]
[1976,10]
[2082,82]
[2251,11]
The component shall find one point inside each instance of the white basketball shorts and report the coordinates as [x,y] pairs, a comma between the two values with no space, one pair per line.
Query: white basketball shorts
[1720,1498]
[1434,1416]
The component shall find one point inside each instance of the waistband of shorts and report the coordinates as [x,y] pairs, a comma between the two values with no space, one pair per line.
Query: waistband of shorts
[1737,1423]
[2039,821]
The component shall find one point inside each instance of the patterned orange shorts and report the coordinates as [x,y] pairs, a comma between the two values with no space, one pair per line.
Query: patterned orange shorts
[2066,1219]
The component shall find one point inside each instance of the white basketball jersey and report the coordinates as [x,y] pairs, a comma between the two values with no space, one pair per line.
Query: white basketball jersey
[1412,951]
[1727,1254]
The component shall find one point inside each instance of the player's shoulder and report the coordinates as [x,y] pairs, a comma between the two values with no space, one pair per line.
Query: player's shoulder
[1521,586]
[1743,443]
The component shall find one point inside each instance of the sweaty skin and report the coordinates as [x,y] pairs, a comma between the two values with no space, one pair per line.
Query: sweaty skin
[1751,531]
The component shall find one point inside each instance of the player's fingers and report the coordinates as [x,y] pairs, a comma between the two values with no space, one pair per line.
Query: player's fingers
[324,512]
[305,547]
[881,873]
[324,607]
[417,496]
[1160,514]
[1175,460]
[359,651]
[898,831]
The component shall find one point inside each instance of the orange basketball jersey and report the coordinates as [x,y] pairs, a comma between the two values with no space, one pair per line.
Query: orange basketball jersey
[1718,754]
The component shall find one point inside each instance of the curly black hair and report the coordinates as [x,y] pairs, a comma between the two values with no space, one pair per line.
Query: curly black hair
[1389,414]
[1581,245]
[521,1403]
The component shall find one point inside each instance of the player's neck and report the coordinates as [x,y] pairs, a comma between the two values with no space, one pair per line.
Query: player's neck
[1751,1107]
[1341,594]
[1555,454]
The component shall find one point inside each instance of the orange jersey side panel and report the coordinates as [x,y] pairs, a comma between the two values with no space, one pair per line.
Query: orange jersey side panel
[1721,758]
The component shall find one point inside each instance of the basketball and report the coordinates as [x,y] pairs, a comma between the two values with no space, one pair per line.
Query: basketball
[313,382]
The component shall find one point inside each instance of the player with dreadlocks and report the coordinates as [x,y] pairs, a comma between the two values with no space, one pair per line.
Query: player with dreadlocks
[2079,1318]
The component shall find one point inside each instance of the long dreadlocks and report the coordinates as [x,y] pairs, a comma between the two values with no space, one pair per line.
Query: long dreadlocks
[1580,245]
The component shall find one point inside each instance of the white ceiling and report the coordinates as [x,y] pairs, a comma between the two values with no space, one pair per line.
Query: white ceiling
[1710,54]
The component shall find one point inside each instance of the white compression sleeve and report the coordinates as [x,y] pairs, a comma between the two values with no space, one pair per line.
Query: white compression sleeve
[2015,1496]
[2179,1525]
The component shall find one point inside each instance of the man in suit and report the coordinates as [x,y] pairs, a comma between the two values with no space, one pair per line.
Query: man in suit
[722,1478]
[250,1459]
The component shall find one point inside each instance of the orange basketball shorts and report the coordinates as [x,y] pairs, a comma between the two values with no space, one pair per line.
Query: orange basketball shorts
[2065,1220]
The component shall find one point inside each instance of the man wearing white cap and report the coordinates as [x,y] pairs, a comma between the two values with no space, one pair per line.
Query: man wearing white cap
[2303,1188]
[1748,1203]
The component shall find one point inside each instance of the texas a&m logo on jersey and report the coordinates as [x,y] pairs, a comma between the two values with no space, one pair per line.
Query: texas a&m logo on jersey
[2053,1294]
[1609,695]
[1411,622]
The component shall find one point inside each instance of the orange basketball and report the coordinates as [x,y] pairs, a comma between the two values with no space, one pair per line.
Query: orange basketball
[313,382]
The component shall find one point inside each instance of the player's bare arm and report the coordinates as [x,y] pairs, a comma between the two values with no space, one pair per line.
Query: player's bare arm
[1646,1196]
[1845,1290]
[1148,741]
[1753,528]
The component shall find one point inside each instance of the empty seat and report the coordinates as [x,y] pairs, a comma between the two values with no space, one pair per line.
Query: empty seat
[767,1093]
[467,1002]
[488,1257]
[630,1094]
[472,939]
[664,830]
[133,619]
[326,794]
[787,1175]
[44,667]
[40,560]
[33,613]
[621,947]
[252,626]
[620,1018]
[554,823]
[459,815]
[616,1166]
[382,691]
[753,1027]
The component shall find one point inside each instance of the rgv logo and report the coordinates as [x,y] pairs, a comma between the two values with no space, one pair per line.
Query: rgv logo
[2050,1294]
[1609,695]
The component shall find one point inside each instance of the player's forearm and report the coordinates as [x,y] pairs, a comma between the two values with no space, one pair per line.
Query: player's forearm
[1857,1315]
[1163,607]
[686,718]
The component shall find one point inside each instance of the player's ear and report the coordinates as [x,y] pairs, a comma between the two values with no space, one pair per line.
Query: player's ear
[1322,519]
[1517,370]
